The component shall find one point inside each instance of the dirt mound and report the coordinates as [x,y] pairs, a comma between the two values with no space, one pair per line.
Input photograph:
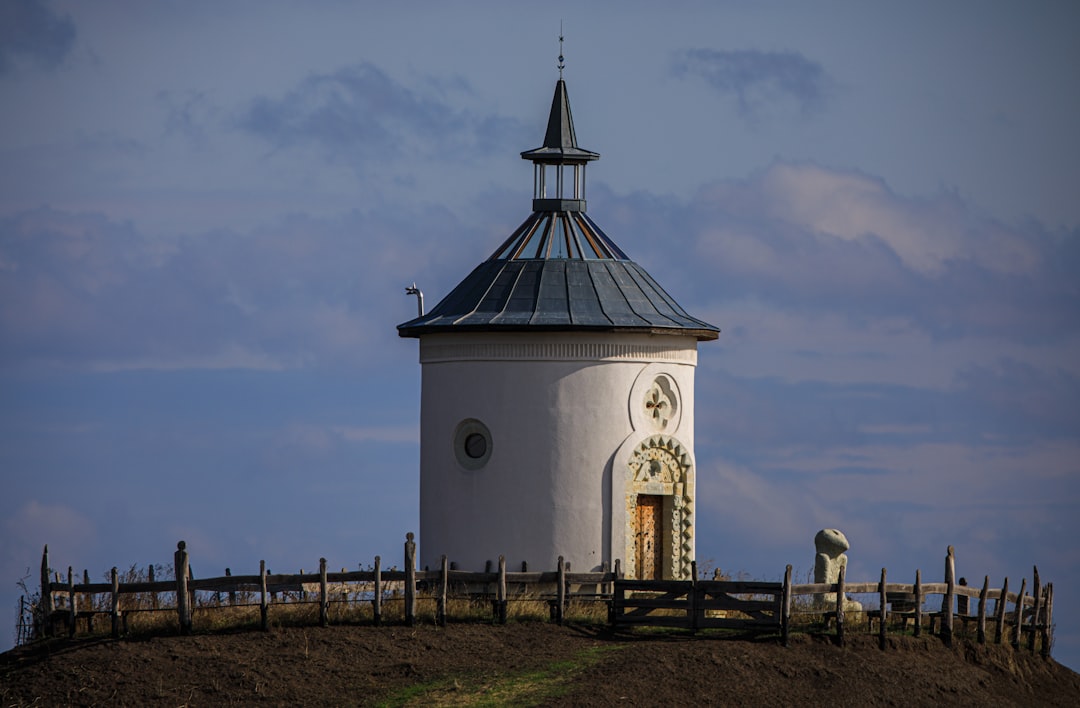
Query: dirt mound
[523,664]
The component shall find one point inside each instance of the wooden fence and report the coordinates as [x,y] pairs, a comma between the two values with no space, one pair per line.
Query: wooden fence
[692,604]
[64,604]
[698,604]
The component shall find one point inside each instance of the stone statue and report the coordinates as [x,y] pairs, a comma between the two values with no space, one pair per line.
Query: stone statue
[830,545]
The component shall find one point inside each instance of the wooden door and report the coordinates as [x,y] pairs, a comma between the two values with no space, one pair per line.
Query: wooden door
[650,546]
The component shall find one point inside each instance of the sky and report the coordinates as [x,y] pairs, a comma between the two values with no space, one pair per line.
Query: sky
[209,213]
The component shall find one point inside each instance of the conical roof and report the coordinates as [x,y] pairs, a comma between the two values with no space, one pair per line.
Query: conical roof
[559,271]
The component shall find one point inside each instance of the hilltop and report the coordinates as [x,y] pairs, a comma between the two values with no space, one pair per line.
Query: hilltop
[525,664]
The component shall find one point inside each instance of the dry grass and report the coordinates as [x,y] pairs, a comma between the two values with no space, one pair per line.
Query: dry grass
[145,614]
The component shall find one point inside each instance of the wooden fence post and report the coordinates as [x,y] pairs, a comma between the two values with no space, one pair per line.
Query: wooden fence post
[560,592]
[115,577]
[1018,615]
[999,612]
[153,595]
[191,592]
[181,569]
[884,611]
[88,600]
[500,591]
[444,581]
[410,579]
[963,606]
[947,601]
[692,598]
[615,604]
[1036,593]
[918,602]
[73,608]
[785,605]
[376,601]
[980,632]
[840,606]
[1048,618]
[232,593]
[264,608]
[324,599]
[45,602]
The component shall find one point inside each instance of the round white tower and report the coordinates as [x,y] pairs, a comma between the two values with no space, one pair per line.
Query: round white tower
[557,396]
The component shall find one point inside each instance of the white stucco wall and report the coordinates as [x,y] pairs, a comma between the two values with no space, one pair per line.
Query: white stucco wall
[558,407]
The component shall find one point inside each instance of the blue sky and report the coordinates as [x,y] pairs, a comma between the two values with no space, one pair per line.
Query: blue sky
[209,212]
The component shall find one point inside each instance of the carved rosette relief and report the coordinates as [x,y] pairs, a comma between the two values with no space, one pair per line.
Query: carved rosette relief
[659,465]
[661,403]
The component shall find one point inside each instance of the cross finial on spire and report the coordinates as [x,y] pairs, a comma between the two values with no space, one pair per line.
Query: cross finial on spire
[562,64]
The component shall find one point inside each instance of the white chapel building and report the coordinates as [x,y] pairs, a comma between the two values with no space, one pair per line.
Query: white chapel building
[557,396]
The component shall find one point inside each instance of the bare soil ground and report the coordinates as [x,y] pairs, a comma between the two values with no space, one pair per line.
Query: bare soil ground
[524,663]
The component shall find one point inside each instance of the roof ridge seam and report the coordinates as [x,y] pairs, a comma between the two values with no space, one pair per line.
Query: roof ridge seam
[479,300]
[513,290]
[635,276]
[596,292]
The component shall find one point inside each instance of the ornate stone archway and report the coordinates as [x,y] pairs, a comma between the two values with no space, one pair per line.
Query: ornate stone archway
[660,466]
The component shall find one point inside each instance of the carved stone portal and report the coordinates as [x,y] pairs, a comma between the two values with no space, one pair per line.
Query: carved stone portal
[660,467]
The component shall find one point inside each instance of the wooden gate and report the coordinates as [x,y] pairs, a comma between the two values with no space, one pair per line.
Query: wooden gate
[650,537]
[698,604]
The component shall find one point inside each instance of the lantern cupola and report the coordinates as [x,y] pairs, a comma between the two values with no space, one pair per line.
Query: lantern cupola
[559,164]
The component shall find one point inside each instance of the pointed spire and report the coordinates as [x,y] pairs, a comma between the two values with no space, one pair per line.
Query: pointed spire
[560,141]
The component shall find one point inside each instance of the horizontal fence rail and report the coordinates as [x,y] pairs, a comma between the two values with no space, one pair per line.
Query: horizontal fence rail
[693,604]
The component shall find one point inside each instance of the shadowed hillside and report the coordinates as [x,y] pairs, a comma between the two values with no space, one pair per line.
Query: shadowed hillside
[524,664]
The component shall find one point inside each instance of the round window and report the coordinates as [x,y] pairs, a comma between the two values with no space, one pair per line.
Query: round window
[475,446]
[472,444]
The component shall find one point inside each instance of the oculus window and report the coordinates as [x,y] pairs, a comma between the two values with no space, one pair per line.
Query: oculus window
[472,444]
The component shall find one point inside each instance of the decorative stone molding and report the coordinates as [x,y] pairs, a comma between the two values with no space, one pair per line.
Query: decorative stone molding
[655,402]
[660,465]
[433,352]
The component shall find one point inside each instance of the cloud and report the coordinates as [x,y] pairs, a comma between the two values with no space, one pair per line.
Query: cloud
[929,495]
[35,523]
[188,114]
[810,241]
[380,433]
[1023,400]
[359,113]
[761,82]
[925,234]
[80,290]
[29,30]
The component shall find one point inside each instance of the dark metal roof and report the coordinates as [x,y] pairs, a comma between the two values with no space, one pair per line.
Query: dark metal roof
[560,141]
[559,271]
[558,294]
[558,234]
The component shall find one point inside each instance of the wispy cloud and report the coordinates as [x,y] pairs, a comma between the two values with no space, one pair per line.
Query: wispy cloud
[761,82]
[30,31]
[79,290]
[360,113]
[34,523]
[812,240]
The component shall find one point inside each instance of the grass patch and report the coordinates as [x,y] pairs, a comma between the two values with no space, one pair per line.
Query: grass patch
[527,688]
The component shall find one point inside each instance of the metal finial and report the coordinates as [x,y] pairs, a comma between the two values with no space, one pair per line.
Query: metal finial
[562,64]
